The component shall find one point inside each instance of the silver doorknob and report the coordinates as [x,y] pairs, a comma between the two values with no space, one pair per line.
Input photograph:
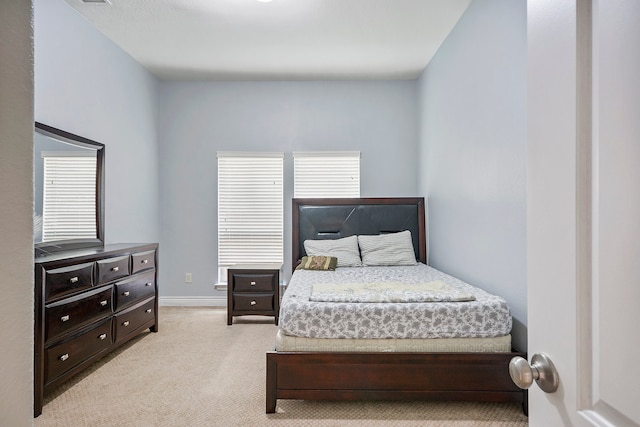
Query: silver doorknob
[541,370]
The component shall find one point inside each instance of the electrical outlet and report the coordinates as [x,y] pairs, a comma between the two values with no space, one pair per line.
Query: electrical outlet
[187,278]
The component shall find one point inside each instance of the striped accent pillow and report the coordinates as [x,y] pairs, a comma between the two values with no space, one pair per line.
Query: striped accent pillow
[318,262]
[387,249]
[345,249]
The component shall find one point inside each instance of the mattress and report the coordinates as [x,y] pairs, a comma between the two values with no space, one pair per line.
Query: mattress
[457,345]
[486,316]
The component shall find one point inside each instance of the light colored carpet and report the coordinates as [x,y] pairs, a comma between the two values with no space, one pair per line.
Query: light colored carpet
[197,371]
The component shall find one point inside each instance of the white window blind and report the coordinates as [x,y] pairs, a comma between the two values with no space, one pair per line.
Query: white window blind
[250,209]
[69,196]
[326,174]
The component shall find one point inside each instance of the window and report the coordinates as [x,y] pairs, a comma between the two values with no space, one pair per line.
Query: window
[250,209]
[69,196]
[326,174]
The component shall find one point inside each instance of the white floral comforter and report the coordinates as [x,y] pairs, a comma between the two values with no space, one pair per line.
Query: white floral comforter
[486,316]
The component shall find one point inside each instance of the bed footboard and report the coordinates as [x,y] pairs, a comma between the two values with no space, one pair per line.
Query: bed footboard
[391,376]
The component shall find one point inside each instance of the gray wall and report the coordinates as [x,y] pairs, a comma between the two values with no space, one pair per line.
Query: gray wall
[85,84]
[198,119]
[472,115]
[16,204]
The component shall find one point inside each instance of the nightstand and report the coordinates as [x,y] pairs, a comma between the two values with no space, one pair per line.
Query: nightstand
[253,289]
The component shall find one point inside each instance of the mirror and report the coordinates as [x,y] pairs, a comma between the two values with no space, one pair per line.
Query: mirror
[68,191]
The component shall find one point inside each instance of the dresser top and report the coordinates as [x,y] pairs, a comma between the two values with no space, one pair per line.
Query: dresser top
[95,252]
[263,266]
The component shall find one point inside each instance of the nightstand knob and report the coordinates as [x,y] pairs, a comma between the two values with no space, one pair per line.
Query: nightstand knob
[148,310]
[253,303]
[74,279]
[115,269]
[64,357]
[253,283]
[144,261]
[65,318]
[103,303]
[126,293]
[125,323]
[102,336]
[148,284]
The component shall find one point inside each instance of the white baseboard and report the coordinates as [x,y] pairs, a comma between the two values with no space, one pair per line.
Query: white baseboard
[193,301]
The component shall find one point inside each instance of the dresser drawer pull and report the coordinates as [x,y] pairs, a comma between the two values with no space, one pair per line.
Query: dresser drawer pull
[115,268]
[253,283]
[148,310]
[148,284]
[125,323]
[103,303]
[64,357]
[144,261]
[126,293]
[65,318]
[74,279]
[252,303]
[103,336]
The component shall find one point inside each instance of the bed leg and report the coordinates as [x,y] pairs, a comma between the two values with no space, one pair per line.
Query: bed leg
[525,402]
[272,369]
[271,406]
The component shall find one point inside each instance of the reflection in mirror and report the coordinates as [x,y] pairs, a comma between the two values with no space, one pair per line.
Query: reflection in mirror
[68,171]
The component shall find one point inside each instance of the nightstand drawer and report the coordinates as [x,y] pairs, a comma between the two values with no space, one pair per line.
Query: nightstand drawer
[67,355]
[66,280]
[253,302]
[74,312]
[265,282]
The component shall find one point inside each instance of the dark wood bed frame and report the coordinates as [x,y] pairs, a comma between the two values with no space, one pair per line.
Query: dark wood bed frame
[380,376]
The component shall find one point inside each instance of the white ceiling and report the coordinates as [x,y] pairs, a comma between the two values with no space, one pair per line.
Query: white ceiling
[280,40]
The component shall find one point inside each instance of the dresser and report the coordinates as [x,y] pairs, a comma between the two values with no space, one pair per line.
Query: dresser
[253,289]
[87,303]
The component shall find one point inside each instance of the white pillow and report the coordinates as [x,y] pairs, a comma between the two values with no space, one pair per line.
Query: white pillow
[387,249]
[345,249]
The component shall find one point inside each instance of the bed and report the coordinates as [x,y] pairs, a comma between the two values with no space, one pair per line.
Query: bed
[371,342]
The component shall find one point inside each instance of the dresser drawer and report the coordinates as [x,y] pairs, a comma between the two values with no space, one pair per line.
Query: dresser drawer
[134,289]
[71,313]
[63,281]
[143,261]
[131,319]
[65,356]
[253,302]
[263,282]
[112,268]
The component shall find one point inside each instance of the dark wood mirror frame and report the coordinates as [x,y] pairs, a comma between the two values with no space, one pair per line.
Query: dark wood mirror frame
[42,248]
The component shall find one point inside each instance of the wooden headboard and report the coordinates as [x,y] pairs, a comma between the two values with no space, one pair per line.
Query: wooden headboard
[337,218]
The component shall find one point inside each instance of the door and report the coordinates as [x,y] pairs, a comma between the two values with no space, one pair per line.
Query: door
[583,209]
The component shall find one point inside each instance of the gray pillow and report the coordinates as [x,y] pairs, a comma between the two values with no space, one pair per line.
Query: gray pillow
[387,249]
[345,249]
